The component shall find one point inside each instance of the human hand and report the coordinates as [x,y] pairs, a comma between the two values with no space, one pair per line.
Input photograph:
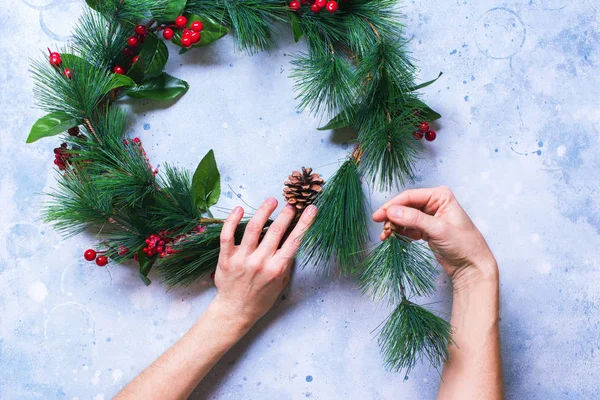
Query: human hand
[435,216]
[251,276]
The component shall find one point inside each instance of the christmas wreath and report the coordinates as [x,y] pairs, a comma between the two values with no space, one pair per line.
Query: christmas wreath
[356,71]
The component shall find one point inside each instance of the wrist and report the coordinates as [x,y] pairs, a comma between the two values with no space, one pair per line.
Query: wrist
[483,273]
[229,317]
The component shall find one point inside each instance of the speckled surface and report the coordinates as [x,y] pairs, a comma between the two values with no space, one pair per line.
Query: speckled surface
[518,144]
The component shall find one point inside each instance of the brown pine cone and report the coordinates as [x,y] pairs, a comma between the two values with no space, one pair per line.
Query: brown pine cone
[302,188]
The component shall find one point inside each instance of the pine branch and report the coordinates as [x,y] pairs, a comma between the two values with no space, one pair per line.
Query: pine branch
[398,268]
[128,11]
[339,228]
[412,334]
[101,40]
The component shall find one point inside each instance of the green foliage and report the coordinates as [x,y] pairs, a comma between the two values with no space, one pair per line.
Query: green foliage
[151,61]
[324,82]
[161,87]
[396,269]
[100,39]
[51,125]
[169,10]
[412,334]
[339,228]
[206,183]
[79,96]
[128,11]
[211,32]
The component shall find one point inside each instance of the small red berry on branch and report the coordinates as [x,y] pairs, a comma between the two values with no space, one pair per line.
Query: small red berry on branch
[430,136]
[68,73]
[315,8]
[168,33]
[101,261]
[186,41]
[133,41]
[197,26]
[89,255]
[424,127]
[135,59]
[195,37]
[140,30]
[181,21]
[295,5]
[418,135]
[119,70]
[332,6]
[54,58]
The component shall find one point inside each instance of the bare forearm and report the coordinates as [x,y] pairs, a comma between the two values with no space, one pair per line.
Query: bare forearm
[474,369]
[177,372]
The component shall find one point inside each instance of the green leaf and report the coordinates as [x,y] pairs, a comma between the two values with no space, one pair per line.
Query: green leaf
[172,9]
[145,265]
[93,4]
[162,87]
[296,27]
[338,122]
[426,113]
[206,183]
[118,80]
[50,125]
[152,59]
[425,84]
[212,31]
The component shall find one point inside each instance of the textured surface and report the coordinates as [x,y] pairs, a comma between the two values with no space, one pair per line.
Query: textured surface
[518,143]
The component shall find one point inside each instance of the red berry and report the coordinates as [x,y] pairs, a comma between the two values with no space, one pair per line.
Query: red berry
[140,30]
[424,127]
[195,37]
[101,261]
[68,73]
[430,136]
[186,41]
[74,131]
[119,70]
[168,33]
[55,59]
[197,26]
[135,59]
[315,8]
[332,6]
[295,5]
[418,135]
[89,255]
[181,21]
[321,3]
[133,41]
[212,276]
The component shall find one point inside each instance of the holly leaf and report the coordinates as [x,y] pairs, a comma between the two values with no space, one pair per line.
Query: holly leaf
[118,81]
[211,32]
[206,183]
[151,60]
[51,125]
[296,27]
[425,84]
[145,265]
[162,87]
[338,122]
[171,10]
[426,113]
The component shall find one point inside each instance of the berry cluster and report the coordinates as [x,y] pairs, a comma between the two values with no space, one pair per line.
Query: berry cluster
[425,131]
[91,255]
[316,6]
[141,32]
[62,156]
[189,36]
[56,61]
[158,244]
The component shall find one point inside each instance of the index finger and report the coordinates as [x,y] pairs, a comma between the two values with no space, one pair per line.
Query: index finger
[415,198]
[228,233]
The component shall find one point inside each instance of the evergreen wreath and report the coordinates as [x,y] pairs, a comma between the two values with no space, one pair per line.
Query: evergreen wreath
[357,70]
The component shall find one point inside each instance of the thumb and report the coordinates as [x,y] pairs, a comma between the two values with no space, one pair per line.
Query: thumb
[415,219]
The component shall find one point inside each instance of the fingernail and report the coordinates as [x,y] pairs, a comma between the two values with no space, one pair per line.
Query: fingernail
[395,212]
[290,206]
[311,210]
[238,210]
[272,201]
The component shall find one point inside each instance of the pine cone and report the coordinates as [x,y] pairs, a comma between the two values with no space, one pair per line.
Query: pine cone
[302,188]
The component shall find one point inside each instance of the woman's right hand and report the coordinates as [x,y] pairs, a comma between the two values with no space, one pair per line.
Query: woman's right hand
[435,216]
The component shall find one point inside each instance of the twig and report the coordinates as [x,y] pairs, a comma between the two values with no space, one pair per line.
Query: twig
[92,131]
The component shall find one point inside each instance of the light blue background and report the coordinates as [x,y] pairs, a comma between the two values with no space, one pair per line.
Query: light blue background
[518,144]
